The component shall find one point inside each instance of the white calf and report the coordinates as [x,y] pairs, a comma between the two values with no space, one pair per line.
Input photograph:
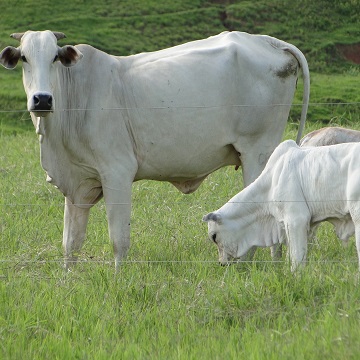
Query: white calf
[298,189]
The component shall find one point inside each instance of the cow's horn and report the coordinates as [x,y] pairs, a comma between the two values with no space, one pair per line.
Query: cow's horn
[17,36]
[59,35]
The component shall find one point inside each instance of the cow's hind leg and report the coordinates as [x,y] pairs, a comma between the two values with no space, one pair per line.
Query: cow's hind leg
[75,222]
[118,209]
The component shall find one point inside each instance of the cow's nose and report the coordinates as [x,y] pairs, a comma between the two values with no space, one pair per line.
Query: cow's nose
[43,102]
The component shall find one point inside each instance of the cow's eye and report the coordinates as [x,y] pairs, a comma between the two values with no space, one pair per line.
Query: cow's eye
[23,58]
[56,58]
[213,237]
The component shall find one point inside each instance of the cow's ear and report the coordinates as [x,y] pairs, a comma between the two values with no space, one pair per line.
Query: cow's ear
[9,57]
[69,55]
[213,217]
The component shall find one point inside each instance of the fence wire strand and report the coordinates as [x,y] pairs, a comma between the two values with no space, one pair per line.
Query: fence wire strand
[228,202]
[11,263]
[190,107]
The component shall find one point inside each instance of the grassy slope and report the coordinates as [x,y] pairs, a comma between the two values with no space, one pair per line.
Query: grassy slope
[129,27]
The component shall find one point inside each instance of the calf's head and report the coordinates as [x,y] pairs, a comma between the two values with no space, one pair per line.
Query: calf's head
[224,233]
[40,54]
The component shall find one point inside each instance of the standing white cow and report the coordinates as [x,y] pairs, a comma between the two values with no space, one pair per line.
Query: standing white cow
[173,115]
[298,189]
[330,136]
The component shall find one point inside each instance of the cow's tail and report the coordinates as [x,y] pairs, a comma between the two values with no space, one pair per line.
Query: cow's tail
[300,57]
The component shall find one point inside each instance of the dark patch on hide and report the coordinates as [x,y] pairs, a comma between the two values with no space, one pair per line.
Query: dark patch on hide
[288,70]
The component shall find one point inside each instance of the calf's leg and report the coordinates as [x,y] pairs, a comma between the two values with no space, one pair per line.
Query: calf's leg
[296,232]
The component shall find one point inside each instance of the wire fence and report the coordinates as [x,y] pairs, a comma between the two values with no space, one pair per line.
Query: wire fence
[14,263]
[195,107]
[327,201]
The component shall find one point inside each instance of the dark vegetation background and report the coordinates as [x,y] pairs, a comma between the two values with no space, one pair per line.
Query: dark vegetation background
[327,31]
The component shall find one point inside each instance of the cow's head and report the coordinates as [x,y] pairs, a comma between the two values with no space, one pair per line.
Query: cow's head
[224,234]
[40,55]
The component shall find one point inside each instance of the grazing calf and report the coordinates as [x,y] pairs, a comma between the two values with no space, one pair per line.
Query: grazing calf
[330,136]
[298,189]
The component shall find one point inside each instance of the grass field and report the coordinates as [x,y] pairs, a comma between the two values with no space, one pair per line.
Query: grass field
[171,299]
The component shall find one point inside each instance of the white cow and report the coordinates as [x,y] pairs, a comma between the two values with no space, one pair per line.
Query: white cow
[330,136]
[173,115]
[298,189]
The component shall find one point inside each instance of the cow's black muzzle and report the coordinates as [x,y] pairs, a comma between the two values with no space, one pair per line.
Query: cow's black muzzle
[42,102]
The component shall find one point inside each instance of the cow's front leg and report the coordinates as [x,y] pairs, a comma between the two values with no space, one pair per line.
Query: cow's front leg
[75,222]
[118,209]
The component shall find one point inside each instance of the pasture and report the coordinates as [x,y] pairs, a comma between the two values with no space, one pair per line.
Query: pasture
[171,299]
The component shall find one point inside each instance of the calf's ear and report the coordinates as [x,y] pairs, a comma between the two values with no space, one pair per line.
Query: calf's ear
[212,217]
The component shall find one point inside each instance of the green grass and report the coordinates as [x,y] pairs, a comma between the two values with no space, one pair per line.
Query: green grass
[170,300]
